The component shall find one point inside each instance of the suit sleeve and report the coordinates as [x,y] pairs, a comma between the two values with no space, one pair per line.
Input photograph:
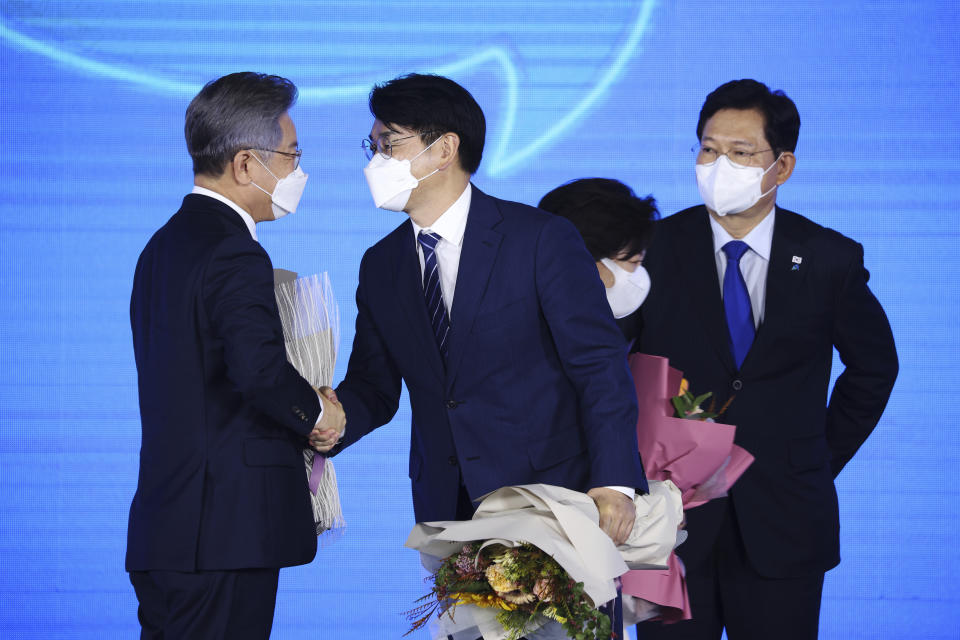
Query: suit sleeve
[593,353]
[242,311]
[370,391]
[862,336]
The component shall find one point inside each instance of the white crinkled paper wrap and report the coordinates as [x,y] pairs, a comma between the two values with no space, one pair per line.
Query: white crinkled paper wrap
[311,333]
[564,524]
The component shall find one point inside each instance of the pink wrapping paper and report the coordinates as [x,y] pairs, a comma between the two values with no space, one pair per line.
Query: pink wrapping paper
[697,456]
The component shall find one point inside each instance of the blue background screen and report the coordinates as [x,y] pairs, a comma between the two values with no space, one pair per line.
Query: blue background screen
[93,161]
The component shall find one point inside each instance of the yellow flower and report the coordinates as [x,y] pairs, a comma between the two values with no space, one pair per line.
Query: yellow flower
[498,579]
[485,600]
[684,386]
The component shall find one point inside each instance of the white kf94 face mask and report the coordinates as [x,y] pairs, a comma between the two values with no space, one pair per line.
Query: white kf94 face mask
[727,187]
[629,290]
[286,195]
[391,181]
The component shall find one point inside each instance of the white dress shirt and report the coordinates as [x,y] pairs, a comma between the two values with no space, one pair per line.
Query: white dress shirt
[247,218]
[753,263]
[450,226]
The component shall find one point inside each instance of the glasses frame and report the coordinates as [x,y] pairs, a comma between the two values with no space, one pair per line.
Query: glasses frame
[295,154]
[697,148]
[385,151]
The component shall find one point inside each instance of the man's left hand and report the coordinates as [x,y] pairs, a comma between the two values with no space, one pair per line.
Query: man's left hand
[617,513]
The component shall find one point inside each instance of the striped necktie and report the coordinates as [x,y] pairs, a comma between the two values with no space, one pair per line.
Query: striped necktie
[432,293]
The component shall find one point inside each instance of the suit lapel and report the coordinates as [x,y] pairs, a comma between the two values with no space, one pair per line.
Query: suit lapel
[477,256]
[783,280]
[695,248]
[409,288]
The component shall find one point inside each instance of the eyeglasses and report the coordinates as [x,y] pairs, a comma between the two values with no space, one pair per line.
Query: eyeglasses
[294,154]
[707,154]
[384,145]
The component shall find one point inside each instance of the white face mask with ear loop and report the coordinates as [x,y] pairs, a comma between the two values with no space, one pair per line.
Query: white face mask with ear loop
[286,195]
[390,180]
[727,187]
[629,290]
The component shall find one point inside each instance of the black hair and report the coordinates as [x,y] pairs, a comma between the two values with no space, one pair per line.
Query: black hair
[235,112]
[780,116]
[612,219]
[433,105]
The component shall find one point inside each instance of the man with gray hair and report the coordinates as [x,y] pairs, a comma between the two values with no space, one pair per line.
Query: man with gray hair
[222,499]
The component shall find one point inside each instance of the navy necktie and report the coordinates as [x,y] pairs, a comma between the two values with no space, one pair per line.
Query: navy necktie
[736,302]
[432,293]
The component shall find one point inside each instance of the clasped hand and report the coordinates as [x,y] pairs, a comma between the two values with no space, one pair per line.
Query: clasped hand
[617,513]
[332,423]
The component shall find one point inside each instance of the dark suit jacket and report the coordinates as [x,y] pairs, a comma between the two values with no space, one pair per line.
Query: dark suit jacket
[222,483]
[536,387]
[786,503]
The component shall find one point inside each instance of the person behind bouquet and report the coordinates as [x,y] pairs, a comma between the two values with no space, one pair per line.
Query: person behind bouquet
[222,500]
[492,314]
[616,225]
[750,301]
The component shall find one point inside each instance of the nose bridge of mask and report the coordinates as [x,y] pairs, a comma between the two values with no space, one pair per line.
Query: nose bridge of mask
[629,289]
[619,273]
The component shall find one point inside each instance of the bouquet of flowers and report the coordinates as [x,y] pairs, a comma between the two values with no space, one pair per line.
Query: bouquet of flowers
[534,562]
[679,441]
[311,333]
[521,583]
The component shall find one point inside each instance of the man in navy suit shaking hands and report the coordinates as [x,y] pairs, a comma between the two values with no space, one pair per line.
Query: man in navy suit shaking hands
[222,498]
[493,315]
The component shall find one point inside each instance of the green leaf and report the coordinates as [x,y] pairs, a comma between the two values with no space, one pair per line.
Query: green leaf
[700,399]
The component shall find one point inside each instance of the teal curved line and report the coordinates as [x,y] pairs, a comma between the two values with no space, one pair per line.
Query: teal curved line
[511,99]
[499,164]
[115,72]
[491,54]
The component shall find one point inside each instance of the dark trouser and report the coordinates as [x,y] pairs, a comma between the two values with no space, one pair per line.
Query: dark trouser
[206,605]
[726,592]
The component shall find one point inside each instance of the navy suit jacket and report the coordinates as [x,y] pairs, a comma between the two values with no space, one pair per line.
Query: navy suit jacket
[536,386]
[224,415]
[786,502]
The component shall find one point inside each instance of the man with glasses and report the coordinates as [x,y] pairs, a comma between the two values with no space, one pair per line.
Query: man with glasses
[749,300]
[493,315]
[222,499]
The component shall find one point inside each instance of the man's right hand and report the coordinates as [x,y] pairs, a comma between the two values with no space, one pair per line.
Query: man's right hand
[328,431]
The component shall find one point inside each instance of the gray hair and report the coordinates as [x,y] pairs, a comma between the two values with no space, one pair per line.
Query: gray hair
[235,112]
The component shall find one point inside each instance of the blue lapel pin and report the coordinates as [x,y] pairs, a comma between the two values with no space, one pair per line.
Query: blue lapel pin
[796,263]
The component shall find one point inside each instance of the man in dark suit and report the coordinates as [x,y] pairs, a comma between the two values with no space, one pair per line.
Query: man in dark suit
[749,300]
[222,498]
[493,315]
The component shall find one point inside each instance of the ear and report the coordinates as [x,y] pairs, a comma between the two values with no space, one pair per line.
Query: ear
[785,165]
[449,145]
[240,167]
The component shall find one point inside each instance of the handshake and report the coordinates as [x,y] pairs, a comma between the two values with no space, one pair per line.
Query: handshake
[332,423]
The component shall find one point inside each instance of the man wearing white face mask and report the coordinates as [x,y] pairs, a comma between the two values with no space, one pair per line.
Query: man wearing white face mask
[222,500]
[493,315]
[750,301]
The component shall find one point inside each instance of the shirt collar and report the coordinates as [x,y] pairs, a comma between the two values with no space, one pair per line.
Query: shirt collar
[759,239]
[452,223]
[247,218]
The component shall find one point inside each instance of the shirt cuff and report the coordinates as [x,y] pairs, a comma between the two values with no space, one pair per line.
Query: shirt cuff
[319,415]
[627,491]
